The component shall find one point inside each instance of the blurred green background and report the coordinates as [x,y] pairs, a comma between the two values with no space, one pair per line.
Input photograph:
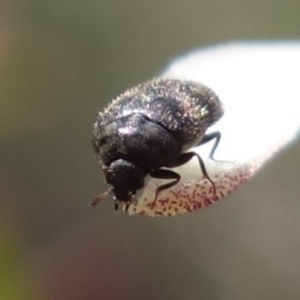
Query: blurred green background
[60,62]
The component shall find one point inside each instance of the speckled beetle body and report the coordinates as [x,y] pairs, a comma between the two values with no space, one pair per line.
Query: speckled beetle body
[149,128]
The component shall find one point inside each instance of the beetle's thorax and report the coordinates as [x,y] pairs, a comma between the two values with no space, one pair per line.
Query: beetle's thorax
[136,139]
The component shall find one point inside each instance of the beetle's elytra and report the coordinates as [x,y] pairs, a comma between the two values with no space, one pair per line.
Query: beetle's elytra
[150,128]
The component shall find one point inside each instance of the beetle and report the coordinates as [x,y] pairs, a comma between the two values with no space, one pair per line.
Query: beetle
[149,129]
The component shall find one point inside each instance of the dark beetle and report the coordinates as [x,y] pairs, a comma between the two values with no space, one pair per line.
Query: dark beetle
[151,127]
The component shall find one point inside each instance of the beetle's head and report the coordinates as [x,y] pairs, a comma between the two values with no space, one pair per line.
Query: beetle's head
[125,179]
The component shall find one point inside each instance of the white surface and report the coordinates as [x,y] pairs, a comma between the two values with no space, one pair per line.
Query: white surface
[258,84]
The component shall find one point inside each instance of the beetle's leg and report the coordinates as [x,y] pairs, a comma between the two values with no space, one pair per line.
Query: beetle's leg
[116,204]
[164,174]
[185,157]
[207,138]
[204,172]
[133,200]
[127,204]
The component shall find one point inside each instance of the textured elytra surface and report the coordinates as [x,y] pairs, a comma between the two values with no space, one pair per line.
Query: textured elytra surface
[184,108]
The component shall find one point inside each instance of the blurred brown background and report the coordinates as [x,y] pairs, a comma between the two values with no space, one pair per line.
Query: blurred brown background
[60,62]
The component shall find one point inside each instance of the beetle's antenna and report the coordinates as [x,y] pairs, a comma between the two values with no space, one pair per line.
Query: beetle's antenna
[99,198]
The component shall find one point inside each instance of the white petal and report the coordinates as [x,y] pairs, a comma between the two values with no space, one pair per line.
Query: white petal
[258,84]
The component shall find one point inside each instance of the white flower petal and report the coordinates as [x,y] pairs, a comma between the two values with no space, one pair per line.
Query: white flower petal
[258,84]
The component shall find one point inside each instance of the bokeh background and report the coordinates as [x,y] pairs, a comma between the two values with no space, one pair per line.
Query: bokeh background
[60,62]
